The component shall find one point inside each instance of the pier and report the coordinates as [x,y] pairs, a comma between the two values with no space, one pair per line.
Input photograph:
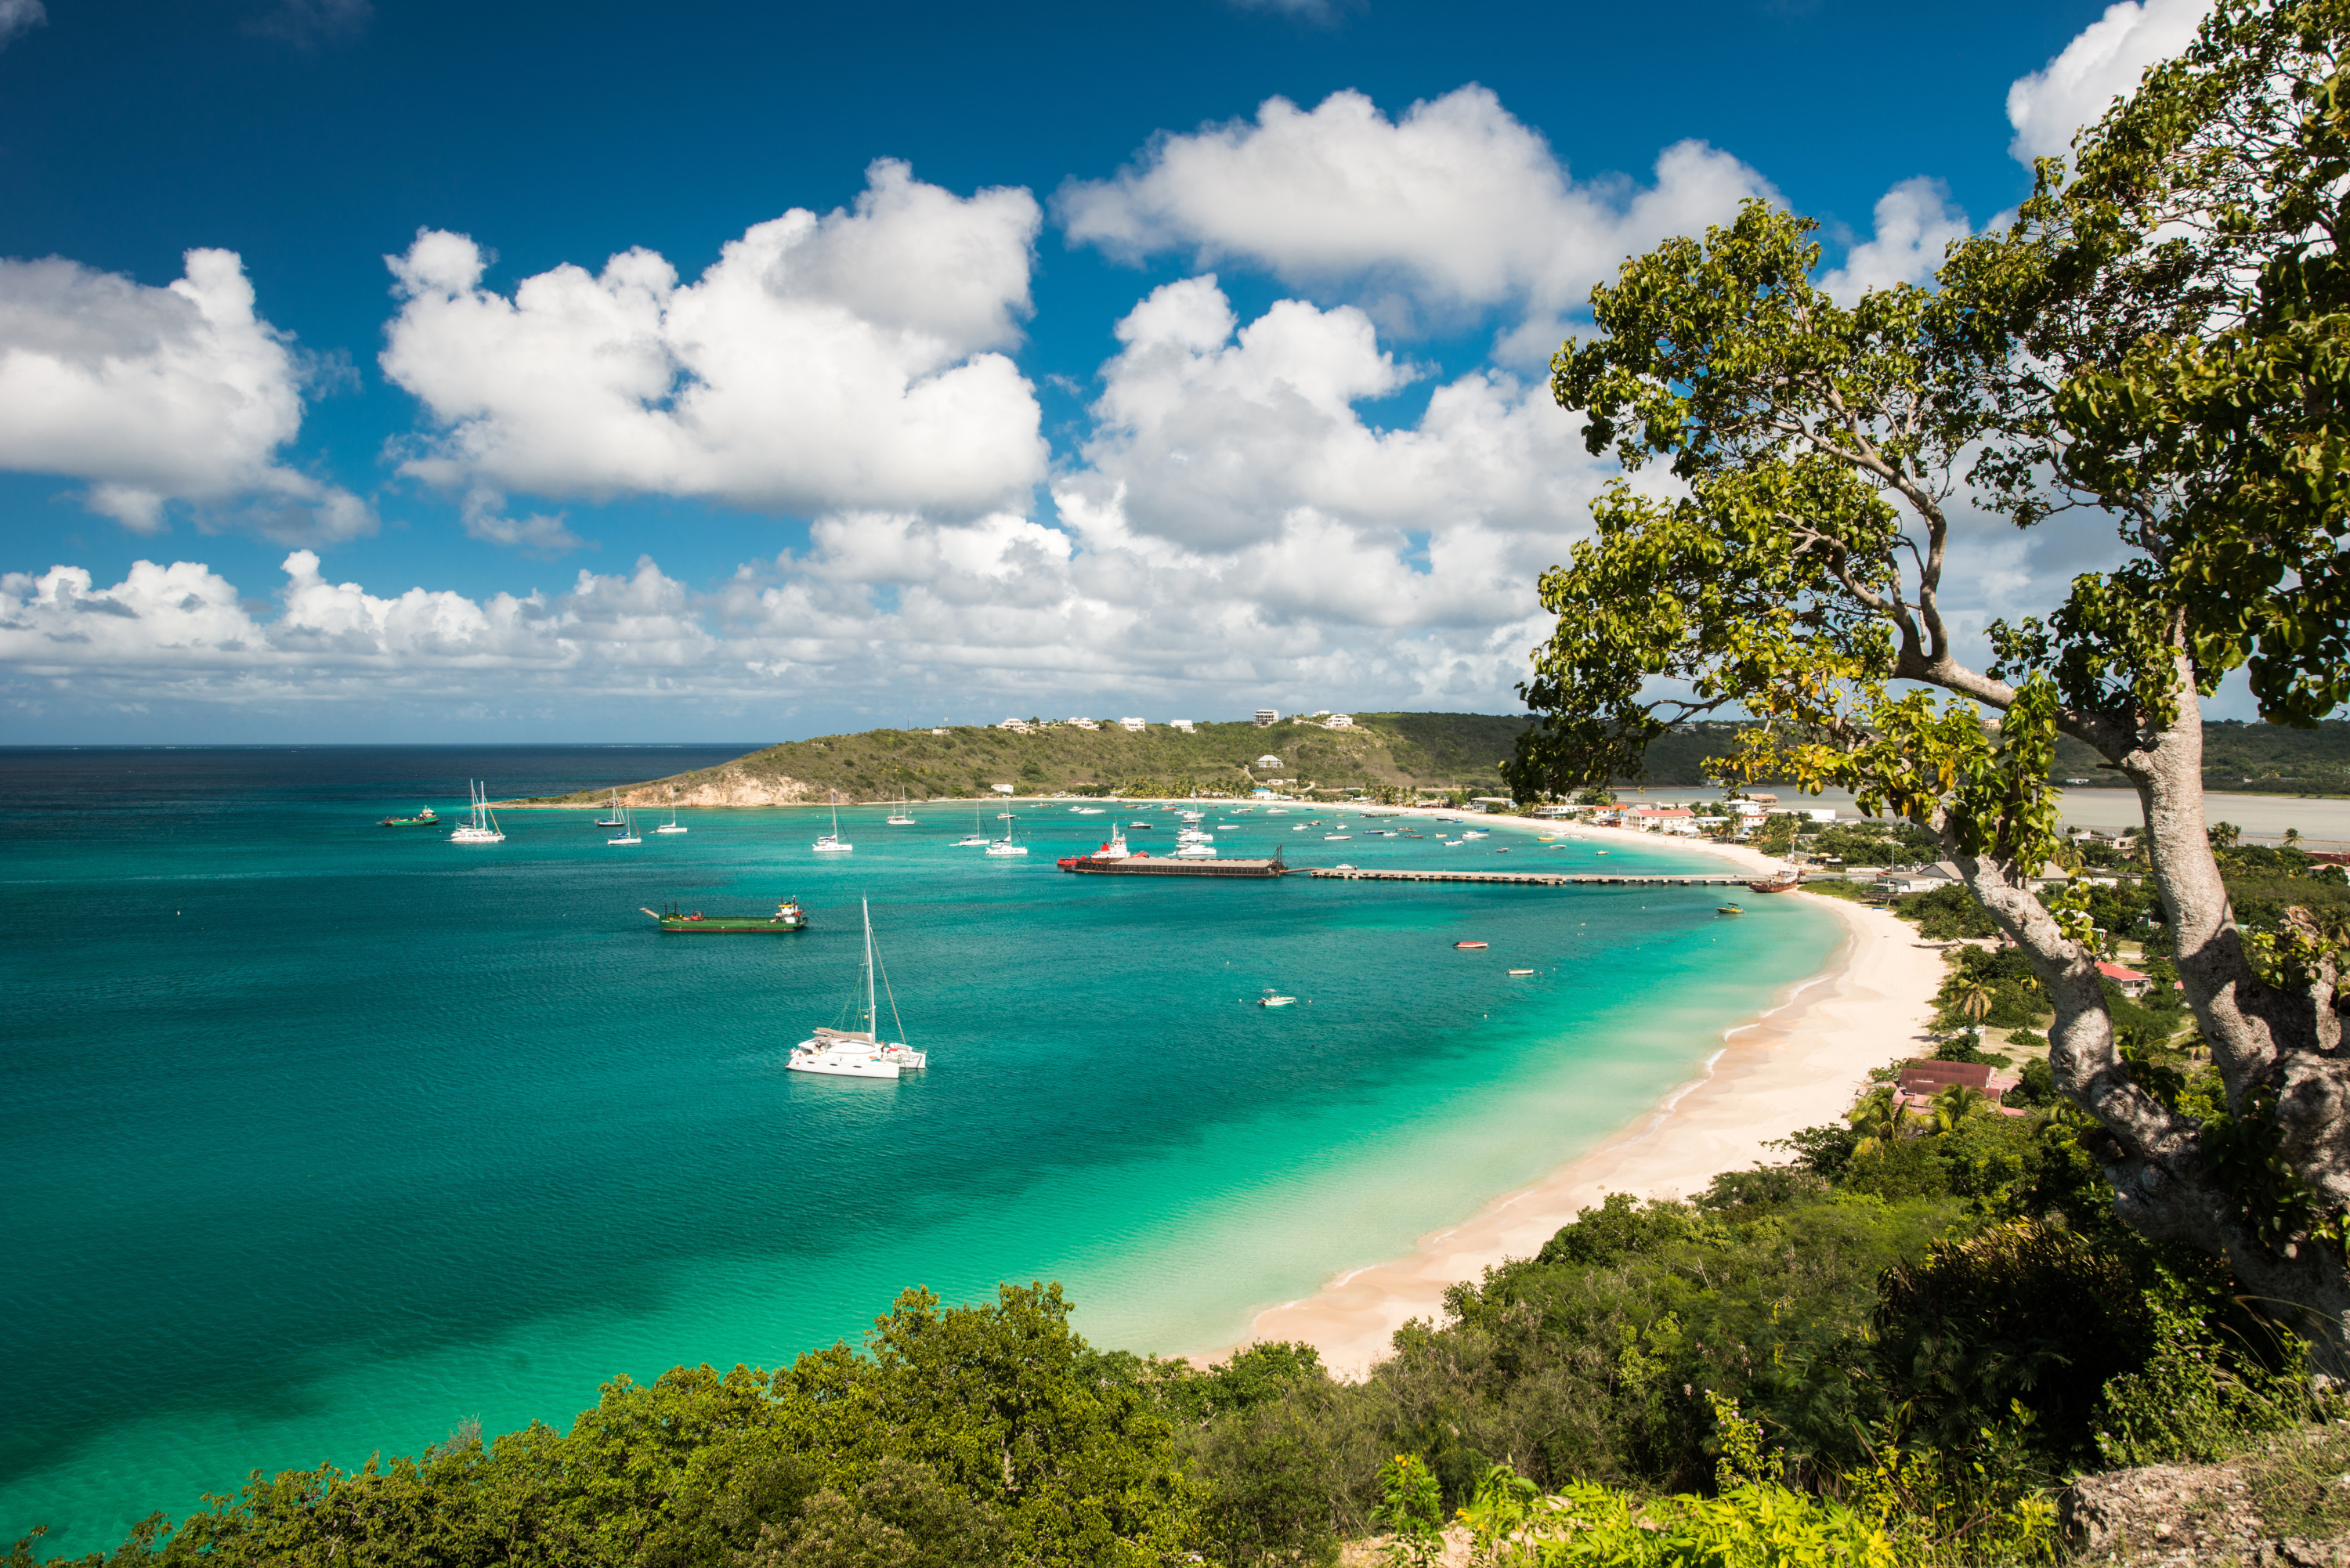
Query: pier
[1544,878]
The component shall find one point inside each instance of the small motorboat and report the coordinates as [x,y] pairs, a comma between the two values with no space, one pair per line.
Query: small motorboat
[1471,947]
[1522,971]
[1270,1000]
[1727,909]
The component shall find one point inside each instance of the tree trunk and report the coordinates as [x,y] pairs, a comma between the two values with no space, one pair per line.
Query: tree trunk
[2265,1041]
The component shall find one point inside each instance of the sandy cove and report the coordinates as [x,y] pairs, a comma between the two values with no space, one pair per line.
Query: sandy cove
[1795,1065]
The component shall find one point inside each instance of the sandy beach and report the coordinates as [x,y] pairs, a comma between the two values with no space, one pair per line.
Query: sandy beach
[1796,1065]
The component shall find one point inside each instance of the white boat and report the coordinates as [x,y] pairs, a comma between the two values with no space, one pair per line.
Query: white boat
[1328,836]
[831,843]
[1270,1000]
[898,818]
[976,840]
[627,834]
[672,825]
[1195,852]
[1115,849]
[1003,847]
[484,829]
[858,1053]
[1088,810]
[614,820]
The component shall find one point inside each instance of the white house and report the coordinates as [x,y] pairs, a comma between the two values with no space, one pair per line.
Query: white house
[1267,717]
[1001,789]
[1081,723]
[1133,724]
[1339,721]
[1182,724]
[1268,762]
[1017,726]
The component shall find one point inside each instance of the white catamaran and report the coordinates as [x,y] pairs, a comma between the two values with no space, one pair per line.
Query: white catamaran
[484,829]
[860,1053]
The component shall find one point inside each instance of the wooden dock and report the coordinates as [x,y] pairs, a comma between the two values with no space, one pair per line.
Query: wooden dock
[1541,878]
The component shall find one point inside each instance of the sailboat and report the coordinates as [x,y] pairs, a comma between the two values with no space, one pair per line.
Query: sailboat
[1003,846]
[976,839]
[616,819]
[860,1053]
[627,834]
[898,818]
[831,843]
[483,828]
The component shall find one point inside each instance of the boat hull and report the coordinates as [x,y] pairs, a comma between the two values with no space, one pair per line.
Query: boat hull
[845,1069]
[721,926]
[1136,865]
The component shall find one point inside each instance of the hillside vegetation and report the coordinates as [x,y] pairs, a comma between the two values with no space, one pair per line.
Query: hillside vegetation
[1385,753]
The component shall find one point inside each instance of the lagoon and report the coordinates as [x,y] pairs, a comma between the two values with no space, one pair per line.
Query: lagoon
[328,1138]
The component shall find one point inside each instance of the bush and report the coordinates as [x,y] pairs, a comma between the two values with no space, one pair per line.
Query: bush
[2024,1315]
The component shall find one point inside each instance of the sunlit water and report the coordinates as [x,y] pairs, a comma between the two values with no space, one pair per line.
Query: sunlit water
[325,1137]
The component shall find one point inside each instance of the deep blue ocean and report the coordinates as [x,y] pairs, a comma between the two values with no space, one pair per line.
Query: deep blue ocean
[324,1137]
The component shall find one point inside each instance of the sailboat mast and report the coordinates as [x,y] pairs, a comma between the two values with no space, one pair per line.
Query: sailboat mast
[872,1018]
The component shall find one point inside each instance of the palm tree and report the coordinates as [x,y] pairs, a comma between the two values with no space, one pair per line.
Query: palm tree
[1957,1104]
[1879,1118]
[1975,1002]
[2293,837]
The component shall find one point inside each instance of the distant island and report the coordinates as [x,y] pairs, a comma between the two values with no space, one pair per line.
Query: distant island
[1387,756]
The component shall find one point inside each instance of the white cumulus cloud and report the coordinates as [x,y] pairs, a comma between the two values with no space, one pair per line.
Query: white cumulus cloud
[153,395]
[1915,220]
[1456,206]
[821,363]
[2101,63]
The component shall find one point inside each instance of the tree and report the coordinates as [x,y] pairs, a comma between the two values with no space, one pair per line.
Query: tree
[1880,1117]
[2159,339]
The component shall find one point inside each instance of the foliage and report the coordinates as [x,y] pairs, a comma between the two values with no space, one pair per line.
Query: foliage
[2019,1315]
[1411,1511]
[1946,914]
[983,1434]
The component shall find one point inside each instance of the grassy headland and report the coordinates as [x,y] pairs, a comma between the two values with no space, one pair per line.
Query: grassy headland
[1390,754]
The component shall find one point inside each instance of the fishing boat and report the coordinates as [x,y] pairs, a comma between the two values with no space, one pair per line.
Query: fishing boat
[1470,947]
[1270,1000]
[672,825]
[858,1053]
[423,818]
[627,834]
[976,840]
[898,818]
[831,843]
[484,829]
[789,917]
[614,820]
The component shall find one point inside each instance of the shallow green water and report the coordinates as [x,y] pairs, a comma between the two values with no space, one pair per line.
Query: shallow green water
[326,1138]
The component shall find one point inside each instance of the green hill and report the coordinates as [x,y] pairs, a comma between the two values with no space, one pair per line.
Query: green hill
[1387,755]
[1390,754]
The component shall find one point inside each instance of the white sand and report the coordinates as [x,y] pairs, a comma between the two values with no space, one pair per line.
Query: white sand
[1797,1065]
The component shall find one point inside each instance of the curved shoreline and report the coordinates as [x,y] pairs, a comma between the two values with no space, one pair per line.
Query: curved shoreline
[1795,1063]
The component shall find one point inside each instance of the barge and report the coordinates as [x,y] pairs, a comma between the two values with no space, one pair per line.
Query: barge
[1141,864]
[789,917]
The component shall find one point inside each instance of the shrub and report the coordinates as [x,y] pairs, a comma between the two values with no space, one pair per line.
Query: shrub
[2022,1314]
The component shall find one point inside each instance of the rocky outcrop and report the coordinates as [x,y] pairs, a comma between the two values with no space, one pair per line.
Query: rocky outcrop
[726,786]
[2175,1516]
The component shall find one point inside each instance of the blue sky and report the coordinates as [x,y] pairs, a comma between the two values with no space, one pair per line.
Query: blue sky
[1089,379]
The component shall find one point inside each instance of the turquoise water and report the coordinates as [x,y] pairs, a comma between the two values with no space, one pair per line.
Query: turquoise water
[324,1137]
